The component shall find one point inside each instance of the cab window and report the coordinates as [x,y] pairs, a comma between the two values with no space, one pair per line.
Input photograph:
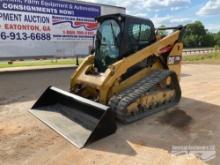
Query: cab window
[139,34]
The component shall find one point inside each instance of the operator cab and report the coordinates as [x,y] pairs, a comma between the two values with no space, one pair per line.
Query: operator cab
[120,35]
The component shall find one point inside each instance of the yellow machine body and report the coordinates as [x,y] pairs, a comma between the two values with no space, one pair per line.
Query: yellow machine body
[104,85]
[136,84]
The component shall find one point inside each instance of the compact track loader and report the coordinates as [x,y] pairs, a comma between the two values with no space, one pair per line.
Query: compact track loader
[132,73]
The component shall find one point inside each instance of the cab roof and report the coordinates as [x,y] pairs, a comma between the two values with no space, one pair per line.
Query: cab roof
[124,16]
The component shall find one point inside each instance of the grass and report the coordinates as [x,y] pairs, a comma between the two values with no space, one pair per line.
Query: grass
[210,58]
[27,63]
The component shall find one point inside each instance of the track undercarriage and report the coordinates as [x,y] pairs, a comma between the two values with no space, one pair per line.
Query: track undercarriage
[157,92]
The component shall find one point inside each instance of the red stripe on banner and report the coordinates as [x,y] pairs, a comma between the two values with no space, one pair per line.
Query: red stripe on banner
[89,25]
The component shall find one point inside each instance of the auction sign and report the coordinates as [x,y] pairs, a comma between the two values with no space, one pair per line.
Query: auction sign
[47,20]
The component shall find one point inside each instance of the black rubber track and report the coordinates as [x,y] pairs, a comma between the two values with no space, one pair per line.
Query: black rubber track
[121,101]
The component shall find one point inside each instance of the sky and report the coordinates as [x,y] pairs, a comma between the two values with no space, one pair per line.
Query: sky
[172,12]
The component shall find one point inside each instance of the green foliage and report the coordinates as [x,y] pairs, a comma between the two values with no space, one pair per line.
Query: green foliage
[162,32]
[217,38]
[196,28]
[217,47]
[208,40]
[210,57]
[68,62]
[197,36]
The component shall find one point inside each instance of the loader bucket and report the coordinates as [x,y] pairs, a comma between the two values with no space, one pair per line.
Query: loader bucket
[79,120]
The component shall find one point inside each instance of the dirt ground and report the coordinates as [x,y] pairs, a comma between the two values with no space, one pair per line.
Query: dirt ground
[194,122]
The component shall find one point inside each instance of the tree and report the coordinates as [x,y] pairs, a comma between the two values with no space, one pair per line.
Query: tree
[195,35]
[190,41]
[208,40]
[196,28]
[217,38]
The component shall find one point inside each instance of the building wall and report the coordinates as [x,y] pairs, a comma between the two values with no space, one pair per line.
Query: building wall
[24,49]
[109,10]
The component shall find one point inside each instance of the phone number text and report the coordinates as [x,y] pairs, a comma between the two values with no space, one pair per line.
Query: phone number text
[23,36]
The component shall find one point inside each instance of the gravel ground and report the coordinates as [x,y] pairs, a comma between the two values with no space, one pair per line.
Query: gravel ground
[195,122]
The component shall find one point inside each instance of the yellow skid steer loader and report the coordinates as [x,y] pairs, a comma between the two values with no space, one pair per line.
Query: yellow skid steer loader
[132,73]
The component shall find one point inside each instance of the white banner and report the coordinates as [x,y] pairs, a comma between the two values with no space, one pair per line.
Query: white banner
[39,20]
